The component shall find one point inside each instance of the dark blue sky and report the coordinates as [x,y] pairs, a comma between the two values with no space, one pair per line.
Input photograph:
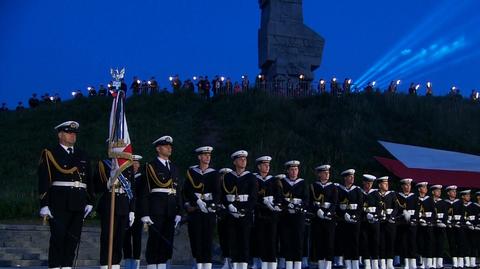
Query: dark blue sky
[58,46]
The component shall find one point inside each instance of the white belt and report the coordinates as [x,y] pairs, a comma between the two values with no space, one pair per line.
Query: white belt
[439,215]
[75,184]
[411,211]
[471,217]
[389,211]
[371,209]
[164,190]
[242,198]
[343,206]
[428,214]
[230,197]
[450,218]
[268,198]
[204,196]
[457,217]
[326,205]
[119,190]
[352,206]
[295,201]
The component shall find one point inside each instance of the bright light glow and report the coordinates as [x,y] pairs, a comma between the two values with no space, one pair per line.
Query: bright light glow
[170,78]
[429,84]
[373,83]
[89,88]
[349,81]
[149,82]
[398,82]
[418,86]
[74,93]
[222,78]
[138,81]
[194,77]
[322,81]
[334,79]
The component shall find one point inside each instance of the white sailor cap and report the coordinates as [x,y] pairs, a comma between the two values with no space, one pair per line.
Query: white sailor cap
[164,140]
[68,127]
[406,181]
[383,179]
[464,192]
[436,187]
[369,178]
[323,167]
[281,176]
[137,157]
[225,170]
[347,172]
[451,187]
[239,153]
[477,193]
[263,159]
[204,149]
[292,163]
[421,184]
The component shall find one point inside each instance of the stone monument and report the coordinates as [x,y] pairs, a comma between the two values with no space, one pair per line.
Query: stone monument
[287,48]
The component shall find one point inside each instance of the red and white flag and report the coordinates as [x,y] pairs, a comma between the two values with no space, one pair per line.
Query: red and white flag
[119,147]
[433,165]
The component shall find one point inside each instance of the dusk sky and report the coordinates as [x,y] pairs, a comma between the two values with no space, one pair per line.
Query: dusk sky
[59,46]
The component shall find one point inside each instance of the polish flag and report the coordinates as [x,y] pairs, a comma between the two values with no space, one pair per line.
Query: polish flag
[432,165]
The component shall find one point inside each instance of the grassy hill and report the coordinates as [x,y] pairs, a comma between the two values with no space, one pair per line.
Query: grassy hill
[315,130]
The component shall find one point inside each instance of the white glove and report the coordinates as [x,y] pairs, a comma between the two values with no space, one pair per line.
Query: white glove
[477,228]
[45,212]
[320,213]
[348,218]
[369,216]
[131,218]
[422,222]
[268,203]
[406,215]
[277,208]
[178,218]
[147,220]
[441,225]
[234,211]
[211,210]
[88,209]
[391,220]
[202,205]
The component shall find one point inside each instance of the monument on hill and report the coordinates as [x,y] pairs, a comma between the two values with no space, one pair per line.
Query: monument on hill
[287,48]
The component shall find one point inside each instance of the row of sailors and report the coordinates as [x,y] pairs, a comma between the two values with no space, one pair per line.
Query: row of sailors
[346,220]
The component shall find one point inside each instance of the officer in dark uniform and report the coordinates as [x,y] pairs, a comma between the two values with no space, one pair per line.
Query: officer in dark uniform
[370,226]
[161,206]
[132,246]
[124,215]
[202,192]
[454,230]
[406,224]
[222,226]
[350,199]
[294,200]
[266,214]
[468,229]
[323,202]
[239,194]
[439,226]
[388,226]
[426,217]
[66,194]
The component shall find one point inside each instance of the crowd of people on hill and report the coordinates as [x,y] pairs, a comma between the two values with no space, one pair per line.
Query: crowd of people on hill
[220,86]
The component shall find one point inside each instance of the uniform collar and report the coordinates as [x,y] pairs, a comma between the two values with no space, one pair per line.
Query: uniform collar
[197,169]
[263,178]
[318,182]
[291,183]
[241,175]
[66,148]
[406,195]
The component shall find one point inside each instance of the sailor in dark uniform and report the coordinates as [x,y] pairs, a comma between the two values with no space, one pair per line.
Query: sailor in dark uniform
[439,226]
[132,246]
[222,225]
[370,225]
[239,196]
[323,203]
[161,204]
[454,230]
[426,217]
[388,226]
[292,218]
[124,212]
[66,194]
[468,229]
[266,214]
[407,224]
[202,191]
[350,207]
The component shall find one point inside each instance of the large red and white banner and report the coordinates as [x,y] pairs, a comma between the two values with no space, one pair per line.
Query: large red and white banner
[432,165]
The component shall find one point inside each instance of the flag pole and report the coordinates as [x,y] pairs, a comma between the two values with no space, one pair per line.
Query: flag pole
[110,233]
